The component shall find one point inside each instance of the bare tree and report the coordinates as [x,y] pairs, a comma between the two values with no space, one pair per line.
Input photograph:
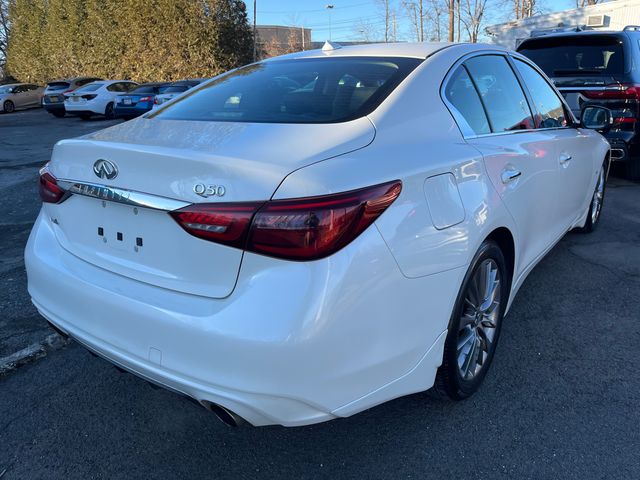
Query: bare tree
[473,13]
[434,16]
[525,8]
[415,11]
[584,3]
[366,30]
[385,6]
[4,30]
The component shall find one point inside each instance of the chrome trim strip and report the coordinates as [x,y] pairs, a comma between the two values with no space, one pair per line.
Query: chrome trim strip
[587,89]
[120,195]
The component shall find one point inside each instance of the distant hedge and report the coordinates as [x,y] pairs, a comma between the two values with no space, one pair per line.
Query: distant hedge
[127,39]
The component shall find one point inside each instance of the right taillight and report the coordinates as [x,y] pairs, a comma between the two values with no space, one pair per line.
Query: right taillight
[295,229]
[50,192]
[615,92]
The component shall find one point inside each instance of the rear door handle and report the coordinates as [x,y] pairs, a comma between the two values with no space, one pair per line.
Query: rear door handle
[509,175]
[565,158]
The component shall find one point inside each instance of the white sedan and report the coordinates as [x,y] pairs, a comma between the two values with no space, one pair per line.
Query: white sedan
[307,237]
[96,98]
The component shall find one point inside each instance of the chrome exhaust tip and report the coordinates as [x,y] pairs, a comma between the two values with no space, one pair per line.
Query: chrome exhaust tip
[225,415]
[617,153]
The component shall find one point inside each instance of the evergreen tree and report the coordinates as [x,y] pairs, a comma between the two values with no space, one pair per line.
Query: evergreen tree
[137,39]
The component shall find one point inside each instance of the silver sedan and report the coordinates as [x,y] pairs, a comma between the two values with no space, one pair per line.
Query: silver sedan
[19,95]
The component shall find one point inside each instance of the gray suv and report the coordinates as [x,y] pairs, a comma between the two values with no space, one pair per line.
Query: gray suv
[53,100]
[598,68]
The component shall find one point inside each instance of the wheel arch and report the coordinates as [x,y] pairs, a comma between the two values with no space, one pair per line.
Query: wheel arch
[504,238]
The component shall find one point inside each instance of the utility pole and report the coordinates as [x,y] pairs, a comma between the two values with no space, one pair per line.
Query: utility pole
[421,20]
[254,31]
[452,6]
[329,7]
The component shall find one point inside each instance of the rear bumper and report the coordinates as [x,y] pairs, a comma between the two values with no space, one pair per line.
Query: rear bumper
[83,108]
[54,107]
[296,343]
[130,112]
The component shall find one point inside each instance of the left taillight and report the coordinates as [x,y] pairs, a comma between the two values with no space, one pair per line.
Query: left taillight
[295,229]
[50,191]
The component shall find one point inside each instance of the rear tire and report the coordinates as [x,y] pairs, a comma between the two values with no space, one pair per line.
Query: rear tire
[109,112]
[9,107]
[597,201]
[474,328]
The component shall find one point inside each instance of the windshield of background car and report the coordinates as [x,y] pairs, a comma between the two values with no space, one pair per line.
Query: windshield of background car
[309,90]
[175,89]
[5,89]
[92,87]
[579,55]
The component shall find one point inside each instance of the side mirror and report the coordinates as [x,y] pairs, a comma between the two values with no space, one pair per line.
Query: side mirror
[596,118]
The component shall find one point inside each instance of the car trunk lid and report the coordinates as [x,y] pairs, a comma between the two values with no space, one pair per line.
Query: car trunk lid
[172,163]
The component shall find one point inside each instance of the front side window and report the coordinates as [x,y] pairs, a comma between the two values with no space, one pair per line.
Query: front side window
[310,90]
[463,96]
[549,109]
[501,94]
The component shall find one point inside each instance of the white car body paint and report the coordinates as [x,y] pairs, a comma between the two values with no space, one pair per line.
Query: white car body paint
[290,342]
[104,95]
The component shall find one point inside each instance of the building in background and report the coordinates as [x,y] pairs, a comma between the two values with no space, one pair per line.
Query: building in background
[614,15]
[273,40]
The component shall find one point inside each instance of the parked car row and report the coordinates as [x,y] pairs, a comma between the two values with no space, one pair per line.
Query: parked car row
[90,96]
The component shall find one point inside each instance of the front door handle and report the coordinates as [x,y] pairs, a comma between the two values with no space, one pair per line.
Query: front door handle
[565,158]
[509,175]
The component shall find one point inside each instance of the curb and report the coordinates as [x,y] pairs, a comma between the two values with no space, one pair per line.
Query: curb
[34,351]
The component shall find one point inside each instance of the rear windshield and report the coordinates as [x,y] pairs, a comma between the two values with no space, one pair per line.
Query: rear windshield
[585,55]
[310,90]
[92,87]
[146,89]
[175,89]
[58,85]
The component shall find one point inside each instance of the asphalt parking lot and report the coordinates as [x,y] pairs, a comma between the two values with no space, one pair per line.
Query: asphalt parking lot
[562,399]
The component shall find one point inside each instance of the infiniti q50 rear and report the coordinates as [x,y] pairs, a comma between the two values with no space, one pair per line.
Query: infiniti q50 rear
[309,236]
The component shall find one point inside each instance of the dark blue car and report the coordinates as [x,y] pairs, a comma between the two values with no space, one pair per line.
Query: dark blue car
[138,101]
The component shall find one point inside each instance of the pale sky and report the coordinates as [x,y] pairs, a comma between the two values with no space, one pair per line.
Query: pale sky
[347,14]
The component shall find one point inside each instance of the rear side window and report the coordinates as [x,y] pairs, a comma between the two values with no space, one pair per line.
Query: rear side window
[549,109]
[462,95]
[310,90]
[578,55]
[500,92]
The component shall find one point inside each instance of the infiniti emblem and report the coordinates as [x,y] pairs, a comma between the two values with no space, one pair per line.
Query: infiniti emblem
[105,169]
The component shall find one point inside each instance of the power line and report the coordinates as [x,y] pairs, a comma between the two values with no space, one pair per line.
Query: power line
[260,12]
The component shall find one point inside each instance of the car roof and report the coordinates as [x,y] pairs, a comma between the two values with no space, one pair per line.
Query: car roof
[15,84]
[582,33]
[404,49]
[151,84]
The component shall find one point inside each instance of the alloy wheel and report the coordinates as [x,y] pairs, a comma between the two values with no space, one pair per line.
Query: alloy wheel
[479,319]
[598,197]
[9,107]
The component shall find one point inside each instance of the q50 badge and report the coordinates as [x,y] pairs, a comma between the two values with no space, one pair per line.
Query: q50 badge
[209,190]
